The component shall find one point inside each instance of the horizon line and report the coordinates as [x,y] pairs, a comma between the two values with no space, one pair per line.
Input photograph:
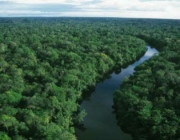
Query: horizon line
[87,17]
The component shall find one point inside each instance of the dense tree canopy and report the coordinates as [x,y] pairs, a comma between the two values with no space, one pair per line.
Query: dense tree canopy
[45,66]
[147,104]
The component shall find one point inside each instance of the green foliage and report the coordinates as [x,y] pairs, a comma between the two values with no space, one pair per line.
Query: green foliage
[4,136]
[46,65]
[148,100]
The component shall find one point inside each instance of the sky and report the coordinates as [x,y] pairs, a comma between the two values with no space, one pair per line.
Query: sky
[168,9]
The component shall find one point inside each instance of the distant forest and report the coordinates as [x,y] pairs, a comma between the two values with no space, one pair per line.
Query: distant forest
[47,65]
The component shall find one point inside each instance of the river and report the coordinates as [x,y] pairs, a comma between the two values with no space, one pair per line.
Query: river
[100,122]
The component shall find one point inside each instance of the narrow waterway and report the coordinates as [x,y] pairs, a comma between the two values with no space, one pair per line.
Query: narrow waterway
[100,122]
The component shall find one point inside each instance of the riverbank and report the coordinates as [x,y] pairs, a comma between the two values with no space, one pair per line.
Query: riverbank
[100,122]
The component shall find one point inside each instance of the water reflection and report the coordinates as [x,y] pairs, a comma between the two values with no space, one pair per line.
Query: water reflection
[100,122]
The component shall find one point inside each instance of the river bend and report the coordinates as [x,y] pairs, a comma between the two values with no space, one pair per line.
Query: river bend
[100,122]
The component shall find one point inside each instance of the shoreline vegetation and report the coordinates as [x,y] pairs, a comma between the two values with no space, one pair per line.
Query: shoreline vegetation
[147,103]
[46,64]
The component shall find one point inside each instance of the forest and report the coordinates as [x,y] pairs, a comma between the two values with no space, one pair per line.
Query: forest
[147,103]
[48,64]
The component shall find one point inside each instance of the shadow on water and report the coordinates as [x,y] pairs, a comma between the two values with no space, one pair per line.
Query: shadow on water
[100,122]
